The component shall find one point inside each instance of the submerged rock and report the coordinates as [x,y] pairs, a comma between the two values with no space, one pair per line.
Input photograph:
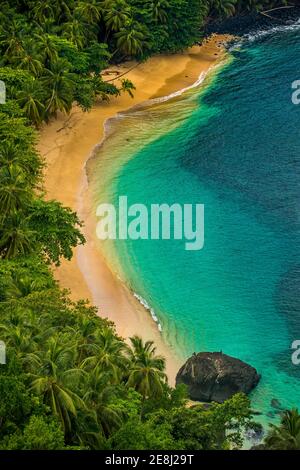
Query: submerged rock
[276,404]
[214,376]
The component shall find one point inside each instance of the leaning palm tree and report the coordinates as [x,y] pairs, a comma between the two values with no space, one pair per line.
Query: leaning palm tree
[285,436]
[146,374]
[128,87]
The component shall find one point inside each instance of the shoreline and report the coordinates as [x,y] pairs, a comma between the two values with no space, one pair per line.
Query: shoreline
[68,143]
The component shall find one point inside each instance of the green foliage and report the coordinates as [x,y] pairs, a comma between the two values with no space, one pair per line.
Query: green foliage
[69,380]
[15,403]
[41,433]
[66,365]
[219,427]
[56,229]
[29,224]
[51,50]
[23,277]
[286,435]
[137,435]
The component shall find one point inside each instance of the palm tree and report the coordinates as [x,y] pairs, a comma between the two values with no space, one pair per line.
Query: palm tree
[55,381]
[22,332]
[116,14]
[127,86]
[146,374]
[224,7]
[88,330]
[61,399]
[159,10]
[61,84]
[47,48]
[131,40]
[21,285]
[14,155]
[11,155]
[88,333]
[11,39]
[286,436]
[29,59]
[16,337]
[42,11]
[99,398]
[57,10]
[15,191]
[106,353]
[63,9]
[16,237]
[30,98]
[75,32]
[90,11]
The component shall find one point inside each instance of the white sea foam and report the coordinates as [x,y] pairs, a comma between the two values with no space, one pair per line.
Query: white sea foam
[256,35]
[198,82]
[145,304]
[109,124]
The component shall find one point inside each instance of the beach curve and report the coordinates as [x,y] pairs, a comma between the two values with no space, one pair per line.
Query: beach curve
[66,145]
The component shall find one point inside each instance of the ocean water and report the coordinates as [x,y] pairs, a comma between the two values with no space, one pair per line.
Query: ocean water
[232,144]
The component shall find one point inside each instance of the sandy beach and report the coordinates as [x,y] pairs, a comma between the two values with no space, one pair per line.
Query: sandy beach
[66,145]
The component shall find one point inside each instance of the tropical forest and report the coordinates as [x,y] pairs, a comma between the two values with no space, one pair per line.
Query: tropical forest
[70,382]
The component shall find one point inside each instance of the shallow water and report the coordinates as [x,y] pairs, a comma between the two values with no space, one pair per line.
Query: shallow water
[232,145]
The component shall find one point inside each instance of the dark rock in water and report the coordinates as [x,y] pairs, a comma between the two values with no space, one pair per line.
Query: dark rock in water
[214,376]
[276,404]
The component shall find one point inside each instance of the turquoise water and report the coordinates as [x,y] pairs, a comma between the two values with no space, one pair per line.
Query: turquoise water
[233,146]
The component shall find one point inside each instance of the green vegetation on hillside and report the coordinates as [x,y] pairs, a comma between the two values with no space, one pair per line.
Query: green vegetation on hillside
[70,381]
[52,52]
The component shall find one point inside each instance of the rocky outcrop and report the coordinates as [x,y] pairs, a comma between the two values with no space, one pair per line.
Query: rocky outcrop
[214,376]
